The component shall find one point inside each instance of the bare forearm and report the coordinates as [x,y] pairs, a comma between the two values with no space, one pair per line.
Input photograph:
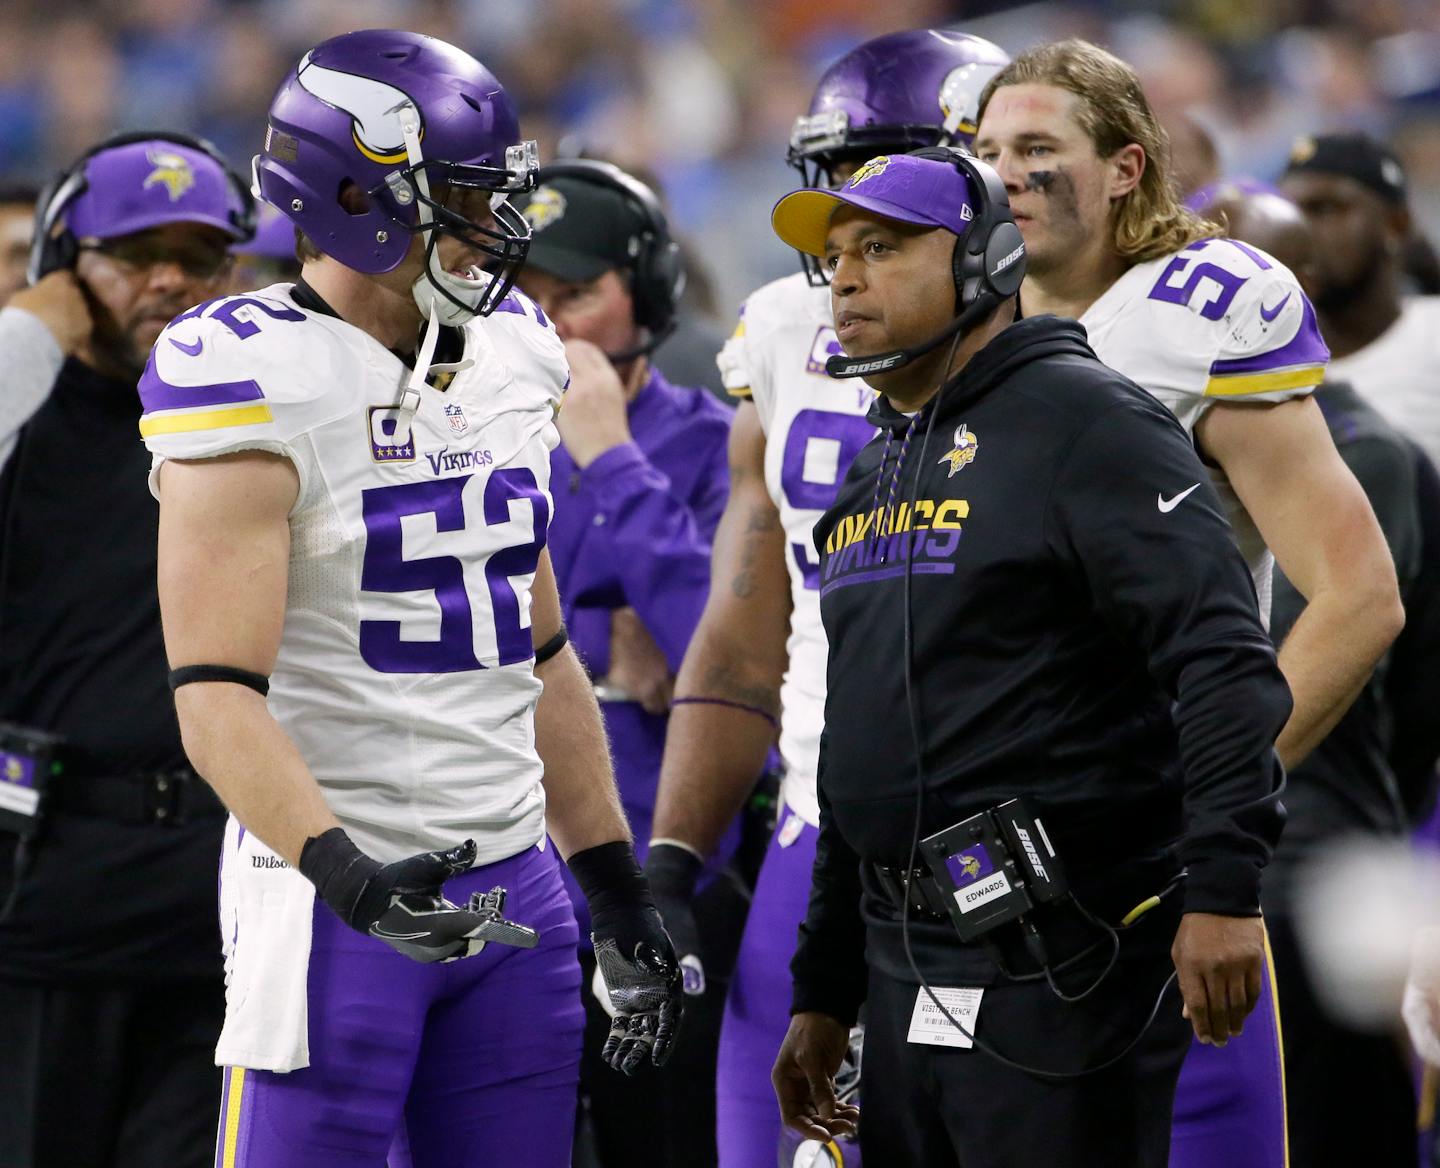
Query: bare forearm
[242,752]
[713,751]
[582,805]
[1327,659]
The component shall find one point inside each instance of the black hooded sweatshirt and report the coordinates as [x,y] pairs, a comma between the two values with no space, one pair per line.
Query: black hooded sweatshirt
[1085,633]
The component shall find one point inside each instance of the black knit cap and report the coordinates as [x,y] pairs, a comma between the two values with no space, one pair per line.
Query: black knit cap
[1358,156]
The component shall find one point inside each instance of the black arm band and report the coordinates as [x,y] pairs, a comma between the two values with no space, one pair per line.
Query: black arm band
[188,673]
[552,646]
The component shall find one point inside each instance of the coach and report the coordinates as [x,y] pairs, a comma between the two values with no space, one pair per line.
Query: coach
[1028,579]
[111,993]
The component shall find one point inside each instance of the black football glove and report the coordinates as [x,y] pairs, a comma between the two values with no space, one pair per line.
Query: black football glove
[401,903]
[634,956]
[673,872]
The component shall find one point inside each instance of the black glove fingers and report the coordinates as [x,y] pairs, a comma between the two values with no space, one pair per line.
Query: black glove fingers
[634,1049]
[666,1031]
[618,1030]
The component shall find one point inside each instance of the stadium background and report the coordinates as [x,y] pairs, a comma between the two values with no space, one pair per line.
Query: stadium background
[702,93]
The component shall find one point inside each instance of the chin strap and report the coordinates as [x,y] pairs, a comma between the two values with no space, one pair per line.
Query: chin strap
[434,307]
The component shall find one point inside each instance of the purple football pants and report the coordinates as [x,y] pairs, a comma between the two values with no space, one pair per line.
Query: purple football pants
[1230,1102]
[469,1063]
[757,1009]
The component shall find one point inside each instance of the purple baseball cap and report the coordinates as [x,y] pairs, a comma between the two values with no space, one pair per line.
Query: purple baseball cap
[148,184]
[1224,189]
[927,192]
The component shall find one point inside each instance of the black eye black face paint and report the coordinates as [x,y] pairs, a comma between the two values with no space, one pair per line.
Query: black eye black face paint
[1059,190]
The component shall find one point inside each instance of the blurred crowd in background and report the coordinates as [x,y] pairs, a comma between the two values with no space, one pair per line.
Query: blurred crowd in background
[702,93]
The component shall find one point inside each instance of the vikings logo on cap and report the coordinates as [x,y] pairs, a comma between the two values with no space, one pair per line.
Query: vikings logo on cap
[1302,151]
[871,169]
[963,453]
[172,170]
[373,106]
[547,205]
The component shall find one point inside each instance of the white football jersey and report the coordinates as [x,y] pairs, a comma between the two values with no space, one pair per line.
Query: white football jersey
[1399,373]
[1217,321]
[405,672]
[814,426]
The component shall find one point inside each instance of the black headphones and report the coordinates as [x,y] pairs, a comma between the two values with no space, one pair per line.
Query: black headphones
[659,271]
[52,249]
[987,265]
[989,259]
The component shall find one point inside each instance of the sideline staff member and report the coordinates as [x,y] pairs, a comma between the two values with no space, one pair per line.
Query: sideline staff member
[1073,576]
[110,976]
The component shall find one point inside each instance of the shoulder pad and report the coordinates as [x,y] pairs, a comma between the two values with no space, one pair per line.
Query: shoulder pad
[784,307]
[1240,325]
[733,361]
[1272,349]
[224,376]
[519,318]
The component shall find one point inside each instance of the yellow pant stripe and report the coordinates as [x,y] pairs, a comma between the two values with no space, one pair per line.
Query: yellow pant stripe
[1280,1046]
[232,1116]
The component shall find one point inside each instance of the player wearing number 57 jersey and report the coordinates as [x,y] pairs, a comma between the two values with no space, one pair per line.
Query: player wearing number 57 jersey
[1222,334]
[353,483]
[759,654]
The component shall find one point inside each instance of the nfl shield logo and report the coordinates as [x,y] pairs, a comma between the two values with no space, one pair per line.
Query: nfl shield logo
[455,415]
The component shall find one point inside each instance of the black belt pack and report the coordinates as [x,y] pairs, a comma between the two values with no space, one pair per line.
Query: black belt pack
[170,798]
[994,867]
[28,763]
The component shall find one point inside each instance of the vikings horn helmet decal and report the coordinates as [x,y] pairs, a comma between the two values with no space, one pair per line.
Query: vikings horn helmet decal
[374,106]
[429,136]
[893,94]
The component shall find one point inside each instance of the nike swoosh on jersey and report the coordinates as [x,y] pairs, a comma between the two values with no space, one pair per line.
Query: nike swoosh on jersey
[1168,505]
[1269,314]
[190,350]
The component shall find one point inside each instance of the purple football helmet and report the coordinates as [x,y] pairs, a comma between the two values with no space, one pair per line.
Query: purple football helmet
[895,93]
[419,126]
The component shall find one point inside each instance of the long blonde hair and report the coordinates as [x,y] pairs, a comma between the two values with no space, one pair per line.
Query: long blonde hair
[1149,221]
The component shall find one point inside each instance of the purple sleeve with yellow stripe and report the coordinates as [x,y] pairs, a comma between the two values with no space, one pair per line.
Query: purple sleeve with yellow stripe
[178,409]
[1299,364]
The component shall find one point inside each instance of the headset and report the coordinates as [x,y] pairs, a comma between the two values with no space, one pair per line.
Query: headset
[659,271]
[52,249]
[988,264]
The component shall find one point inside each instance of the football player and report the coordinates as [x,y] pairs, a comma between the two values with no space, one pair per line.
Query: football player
[760,646]
[1222,334]
[353,482]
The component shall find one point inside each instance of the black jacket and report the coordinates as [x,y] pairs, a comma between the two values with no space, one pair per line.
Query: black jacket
[82,656]
[1085,633]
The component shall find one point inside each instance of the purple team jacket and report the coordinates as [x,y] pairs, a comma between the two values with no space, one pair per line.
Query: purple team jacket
[634,528]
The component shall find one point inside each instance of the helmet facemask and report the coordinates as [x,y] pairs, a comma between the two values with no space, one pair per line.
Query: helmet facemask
[443,195]
[820,142]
